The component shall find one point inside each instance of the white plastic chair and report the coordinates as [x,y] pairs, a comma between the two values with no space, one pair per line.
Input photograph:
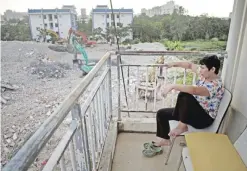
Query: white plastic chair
[240,145]
[224,104]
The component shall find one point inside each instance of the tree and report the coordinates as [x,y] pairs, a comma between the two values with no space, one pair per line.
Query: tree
[17,31]
[179,26]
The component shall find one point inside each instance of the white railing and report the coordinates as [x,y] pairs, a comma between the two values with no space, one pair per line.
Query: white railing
[85,137]
[138,89]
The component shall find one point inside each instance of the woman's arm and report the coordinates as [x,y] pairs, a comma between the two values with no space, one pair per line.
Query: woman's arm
[186,65]
[194,90]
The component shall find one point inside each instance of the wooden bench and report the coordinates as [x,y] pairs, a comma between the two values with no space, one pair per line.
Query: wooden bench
[214,152]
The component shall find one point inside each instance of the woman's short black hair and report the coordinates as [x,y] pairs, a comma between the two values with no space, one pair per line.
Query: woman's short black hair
[210,62]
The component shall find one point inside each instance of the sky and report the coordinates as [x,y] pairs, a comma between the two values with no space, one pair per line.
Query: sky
[218,8]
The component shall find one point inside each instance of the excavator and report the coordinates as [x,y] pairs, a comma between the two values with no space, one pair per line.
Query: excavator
[54,36]
[83,36]
[84,65]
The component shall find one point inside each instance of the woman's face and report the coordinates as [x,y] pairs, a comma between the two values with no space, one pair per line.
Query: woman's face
[204,72]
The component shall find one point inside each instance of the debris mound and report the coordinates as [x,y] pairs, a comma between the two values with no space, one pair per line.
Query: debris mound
[45,68]
[58,48]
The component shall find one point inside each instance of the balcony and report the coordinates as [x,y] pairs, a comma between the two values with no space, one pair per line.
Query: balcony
[105,120]
[108,117]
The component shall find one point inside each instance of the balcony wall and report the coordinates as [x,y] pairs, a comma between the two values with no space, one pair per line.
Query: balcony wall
[234,70]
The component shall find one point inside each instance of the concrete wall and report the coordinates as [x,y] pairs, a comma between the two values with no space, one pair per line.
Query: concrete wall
[235,69]
[64,25]
[36,20]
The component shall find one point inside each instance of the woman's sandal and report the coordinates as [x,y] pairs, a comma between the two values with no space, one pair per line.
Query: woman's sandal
[152,151]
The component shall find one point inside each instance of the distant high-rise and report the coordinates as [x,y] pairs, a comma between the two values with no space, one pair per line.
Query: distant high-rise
[168,8]
[83,13]
[9,14]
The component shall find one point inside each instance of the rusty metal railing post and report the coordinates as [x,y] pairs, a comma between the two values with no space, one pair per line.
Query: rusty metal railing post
[109,86]
[118,91]
[80,137]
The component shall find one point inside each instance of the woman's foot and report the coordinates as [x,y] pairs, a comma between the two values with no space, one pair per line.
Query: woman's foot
[181,128]
[163,142]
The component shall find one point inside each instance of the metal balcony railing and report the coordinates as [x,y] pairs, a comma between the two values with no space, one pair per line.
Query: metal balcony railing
[139,82]
[85,137]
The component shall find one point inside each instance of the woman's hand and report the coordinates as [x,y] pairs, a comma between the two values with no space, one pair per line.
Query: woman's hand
[166,89]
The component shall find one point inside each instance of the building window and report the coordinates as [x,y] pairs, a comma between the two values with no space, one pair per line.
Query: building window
[44,16]
[117,15]
[55,16]
[56,25]
[50,17]
[45,25]
[107,16]
[107,24]
[51,25]
[112,16]
[120,24]
[60,16]
[112,23]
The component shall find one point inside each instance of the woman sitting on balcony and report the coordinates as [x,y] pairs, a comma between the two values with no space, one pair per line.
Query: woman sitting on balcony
[196,105]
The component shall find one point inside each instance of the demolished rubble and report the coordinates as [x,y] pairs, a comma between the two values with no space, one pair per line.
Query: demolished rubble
[46,68]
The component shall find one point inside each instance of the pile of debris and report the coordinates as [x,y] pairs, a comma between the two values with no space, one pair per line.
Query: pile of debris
[46,68]
[58,48]
[4,87]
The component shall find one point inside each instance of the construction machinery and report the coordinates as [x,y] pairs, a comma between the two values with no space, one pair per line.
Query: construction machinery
[84,40]
[84,65]
[52,34]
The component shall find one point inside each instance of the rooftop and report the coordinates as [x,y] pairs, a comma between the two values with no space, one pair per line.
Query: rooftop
[107,10]
[32,11]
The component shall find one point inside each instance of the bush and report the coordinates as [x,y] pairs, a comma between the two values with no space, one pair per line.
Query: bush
[136,41]
[127,41]
[173,45]
[215,39]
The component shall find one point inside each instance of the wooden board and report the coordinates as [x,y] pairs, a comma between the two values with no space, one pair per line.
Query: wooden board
[213,152]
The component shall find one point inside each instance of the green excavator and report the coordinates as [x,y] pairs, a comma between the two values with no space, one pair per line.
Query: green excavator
[84,65]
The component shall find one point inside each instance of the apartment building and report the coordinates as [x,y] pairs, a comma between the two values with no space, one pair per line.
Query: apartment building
[57,20]
[102,18]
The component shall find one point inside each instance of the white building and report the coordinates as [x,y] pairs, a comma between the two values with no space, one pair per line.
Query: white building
[168,8]
[58,20]
[102,18]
